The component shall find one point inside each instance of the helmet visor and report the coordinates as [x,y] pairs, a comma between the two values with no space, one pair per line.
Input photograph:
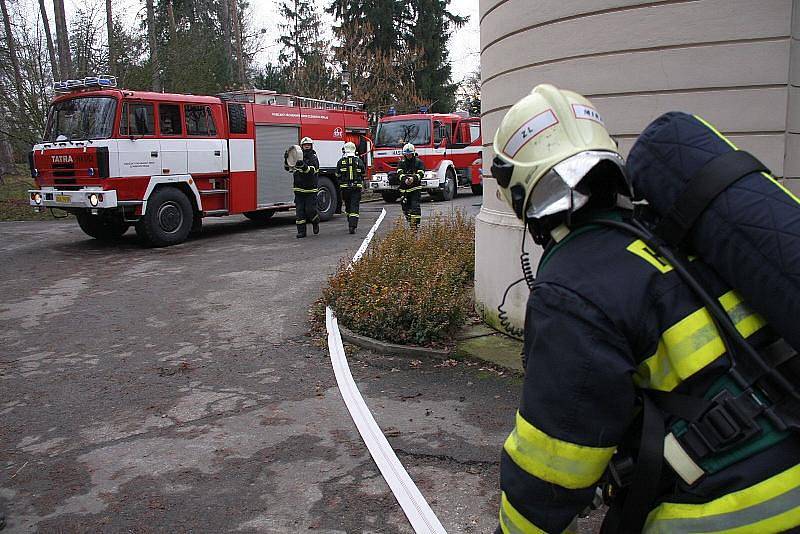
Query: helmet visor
[556,191]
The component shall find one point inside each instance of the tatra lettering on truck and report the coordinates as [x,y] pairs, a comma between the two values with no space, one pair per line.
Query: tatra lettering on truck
[449,146]
[162,162]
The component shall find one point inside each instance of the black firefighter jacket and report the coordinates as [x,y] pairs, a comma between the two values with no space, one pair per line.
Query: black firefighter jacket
[606,317]
[410,168]
[306,177]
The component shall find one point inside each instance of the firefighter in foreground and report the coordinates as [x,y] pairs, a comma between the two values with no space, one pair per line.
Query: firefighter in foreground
[306,186]
[410,172]
[609,327]
[350,172]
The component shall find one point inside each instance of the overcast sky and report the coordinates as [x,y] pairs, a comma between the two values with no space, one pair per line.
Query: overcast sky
[464,45]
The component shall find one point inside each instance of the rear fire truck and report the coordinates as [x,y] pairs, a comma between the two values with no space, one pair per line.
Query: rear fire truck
[448,144]
[161,162]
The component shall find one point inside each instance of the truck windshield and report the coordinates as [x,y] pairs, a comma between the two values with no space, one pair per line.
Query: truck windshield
[398,133]
[81,118]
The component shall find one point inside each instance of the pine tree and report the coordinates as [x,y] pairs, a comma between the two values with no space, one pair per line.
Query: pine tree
[402,29]
[431,33]
[305,54]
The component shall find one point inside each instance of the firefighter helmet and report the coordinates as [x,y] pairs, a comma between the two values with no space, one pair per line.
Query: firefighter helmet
[306,141]
[350,148]
[545,145]
[409,149]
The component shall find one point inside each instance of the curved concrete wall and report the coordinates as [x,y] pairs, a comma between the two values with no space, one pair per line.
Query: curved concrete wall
[735,62]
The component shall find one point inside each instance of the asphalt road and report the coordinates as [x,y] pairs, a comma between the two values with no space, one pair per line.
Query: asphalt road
[178,390]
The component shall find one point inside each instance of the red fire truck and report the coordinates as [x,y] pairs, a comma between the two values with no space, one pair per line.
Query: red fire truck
[161,162]
[448,144]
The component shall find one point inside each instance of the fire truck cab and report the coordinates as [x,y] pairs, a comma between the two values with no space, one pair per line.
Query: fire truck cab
[449,146]
[162,162]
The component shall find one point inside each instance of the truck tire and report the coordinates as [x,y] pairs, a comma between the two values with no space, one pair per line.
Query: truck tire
[101,228]
[260,216]
[326,199]
[477,189]
[168,220]
[390,196]
[197,225]
[450,189]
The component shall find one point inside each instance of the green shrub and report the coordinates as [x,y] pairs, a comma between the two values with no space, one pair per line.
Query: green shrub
[409,288]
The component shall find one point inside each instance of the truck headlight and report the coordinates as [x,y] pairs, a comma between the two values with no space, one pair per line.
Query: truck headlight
[37,198]
[94,200]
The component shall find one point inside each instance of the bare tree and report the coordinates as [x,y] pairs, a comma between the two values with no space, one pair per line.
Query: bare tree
[50,48]
[62,38]
[237,29]
[112,53]
[151,34]
[12,55]
[225,18]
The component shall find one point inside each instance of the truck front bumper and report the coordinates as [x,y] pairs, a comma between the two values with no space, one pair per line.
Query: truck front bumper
[88,197]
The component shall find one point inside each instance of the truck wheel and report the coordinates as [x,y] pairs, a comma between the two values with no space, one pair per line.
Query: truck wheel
[168,219]
[450,185]
[326,199]
[390,196]
[197,225]
[260,216]
[101,228]
[450,189]
[477,189]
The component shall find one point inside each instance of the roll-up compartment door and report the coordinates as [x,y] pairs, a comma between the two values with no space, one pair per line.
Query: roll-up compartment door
[274,183]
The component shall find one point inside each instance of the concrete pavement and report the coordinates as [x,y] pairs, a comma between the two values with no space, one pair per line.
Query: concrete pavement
[176,390]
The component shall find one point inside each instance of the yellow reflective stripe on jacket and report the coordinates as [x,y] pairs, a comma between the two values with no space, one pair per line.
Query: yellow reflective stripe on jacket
[301,190]
[513,522]
[641,249]
[567,464]
[772,505]
[730,143]
[692,343]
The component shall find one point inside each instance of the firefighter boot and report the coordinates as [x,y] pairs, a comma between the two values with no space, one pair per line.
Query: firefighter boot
[301,230]
[315,227]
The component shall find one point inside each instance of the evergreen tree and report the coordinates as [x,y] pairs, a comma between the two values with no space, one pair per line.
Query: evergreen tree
[271,77]
[194,43]
[305,54]
[430,33]
[402,29]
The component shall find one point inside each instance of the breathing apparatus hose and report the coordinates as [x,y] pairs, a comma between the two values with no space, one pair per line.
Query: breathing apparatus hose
[528,277]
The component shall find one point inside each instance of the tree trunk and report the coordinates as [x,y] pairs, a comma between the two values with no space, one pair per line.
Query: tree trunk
[226,30]
[62,39]
[112,50]
[151,35]
[237,29]
[12,53]
[50,48]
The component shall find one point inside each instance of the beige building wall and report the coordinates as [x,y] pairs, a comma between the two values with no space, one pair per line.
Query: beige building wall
[735,62]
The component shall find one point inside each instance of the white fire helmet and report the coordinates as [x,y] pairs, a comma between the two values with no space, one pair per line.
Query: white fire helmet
[306,141]
[545,145]
[408,148]
[349,149]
